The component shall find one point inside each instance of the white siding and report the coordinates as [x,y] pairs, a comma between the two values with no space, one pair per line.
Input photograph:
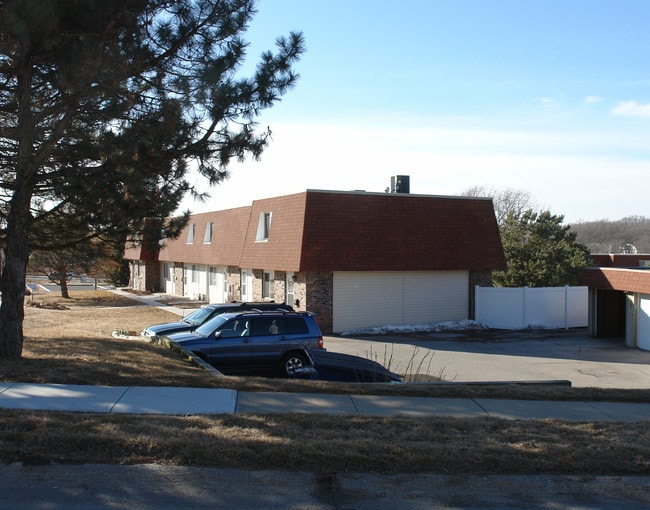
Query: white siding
[370,299]
[643,328]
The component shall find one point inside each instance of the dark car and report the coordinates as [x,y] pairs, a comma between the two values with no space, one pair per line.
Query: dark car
[254,341]
[207,312]
[335,366]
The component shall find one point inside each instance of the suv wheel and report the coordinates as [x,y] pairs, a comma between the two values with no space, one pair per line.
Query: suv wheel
[291,361]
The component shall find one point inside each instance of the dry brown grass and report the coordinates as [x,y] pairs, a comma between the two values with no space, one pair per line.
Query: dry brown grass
[74,345]
[328,444]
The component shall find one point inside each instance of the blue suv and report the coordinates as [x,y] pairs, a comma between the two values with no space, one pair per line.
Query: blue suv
[255,341]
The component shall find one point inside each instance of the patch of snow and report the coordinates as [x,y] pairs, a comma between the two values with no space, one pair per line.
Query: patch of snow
[418,328]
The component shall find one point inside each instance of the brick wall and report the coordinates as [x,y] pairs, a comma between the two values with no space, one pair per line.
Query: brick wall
[482,279]
[619,259]
[278,292]
[144,276]
[319,298]
[152,278]
[233,283]
[179,285]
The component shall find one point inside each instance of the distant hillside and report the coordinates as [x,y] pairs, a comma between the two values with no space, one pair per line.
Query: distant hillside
[629,235]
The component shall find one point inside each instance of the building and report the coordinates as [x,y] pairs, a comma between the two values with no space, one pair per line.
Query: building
[619,298]
[357,259]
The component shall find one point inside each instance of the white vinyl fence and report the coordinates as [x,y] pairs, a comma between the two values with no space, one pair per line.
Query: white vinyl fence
[522,307]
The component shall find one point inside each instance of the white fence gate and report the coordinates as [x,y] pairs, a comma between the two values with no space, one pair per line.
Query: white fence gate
[522,307]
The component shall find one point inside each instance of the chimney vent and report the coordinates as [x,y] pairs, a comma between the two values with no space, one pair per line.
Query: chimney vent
[399,184]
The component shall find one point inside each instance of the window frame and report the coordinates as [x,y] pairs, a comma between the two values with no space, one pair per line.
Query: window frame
[263,227]
[190,234]
[207,235]
[268,282]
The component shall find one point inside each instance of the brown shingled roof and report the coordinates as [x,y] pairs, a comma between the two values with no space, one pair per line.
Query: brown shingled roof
[283,249]
[228,231]
[349,231]
[399,232]
[617,278]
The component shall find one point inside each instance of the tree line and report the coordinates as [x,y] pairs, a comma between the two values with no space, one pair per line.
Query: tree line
[627,235]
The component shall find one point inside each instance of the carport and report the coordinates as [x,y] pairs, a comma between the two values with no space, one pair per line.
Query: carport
[619,303]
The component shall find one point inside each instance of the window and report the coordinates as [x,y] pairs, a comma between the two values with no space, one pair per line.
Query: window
[195,274]
[296,326]
[263,226]
[213,276]
[264,326]
[267,285]
[289,289]
[190,234]
[207,237]
[244,285]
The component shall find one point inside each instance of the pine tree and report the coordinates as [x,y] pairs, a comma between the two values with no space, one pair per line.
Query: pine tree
[540,252]
[105,104]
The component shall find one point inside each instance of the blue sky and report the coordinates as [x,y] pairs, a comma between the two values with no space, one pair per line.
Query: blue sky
[550,97]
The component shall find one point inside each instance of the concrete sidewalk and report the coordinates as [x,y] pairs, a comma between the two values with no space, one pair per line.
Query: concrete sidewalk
[190,401]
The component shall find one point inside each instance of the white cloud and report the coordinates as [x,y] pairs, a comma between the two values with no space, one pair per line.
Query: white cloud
[631,109]
[571,172]
[593,99]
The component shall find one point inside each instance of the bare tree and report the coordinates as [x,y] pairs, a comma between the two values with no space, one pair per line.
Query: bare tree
[506,201]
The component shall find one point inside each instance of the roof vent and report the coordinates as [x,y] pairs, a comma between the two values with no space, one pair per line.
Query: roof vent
[399,184]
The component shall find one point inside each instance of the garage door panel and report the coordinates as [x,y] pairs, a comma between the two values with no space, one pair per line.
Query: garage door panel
[436,297]
[364,299]
[358,299]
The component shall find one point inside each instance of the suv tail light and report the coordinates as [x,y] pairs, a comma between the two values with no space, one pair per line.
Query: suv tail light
[320,342]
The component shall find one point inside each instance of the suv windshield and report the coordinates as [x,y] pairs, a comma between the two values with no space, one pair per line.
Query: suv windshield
[197,316]
[211,326]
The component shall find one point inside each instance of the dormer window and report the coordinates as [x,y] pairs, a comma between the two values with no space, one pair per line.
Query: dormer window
[207,237]
[263,226]
[190,234]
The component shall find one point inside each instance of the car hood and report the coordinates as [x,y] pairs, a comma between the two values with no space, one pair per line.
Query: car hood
[168,328]
[185,338]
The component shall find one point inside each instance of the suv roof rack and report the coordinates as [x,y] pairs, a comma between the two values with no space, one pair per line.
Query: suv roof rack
[280,311]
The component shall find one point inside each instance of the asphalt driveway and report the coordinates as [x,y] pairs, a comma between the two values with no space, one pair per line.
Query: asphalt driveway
[489,355]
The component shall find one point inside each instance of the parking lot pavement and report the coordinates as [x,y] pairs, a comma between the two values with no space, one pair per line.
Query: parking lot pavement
[151,486]
[514,356]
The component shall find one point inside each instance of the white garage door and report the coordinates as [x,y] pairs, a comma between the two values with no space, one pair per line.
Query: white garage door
[643,324]
[369,299]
